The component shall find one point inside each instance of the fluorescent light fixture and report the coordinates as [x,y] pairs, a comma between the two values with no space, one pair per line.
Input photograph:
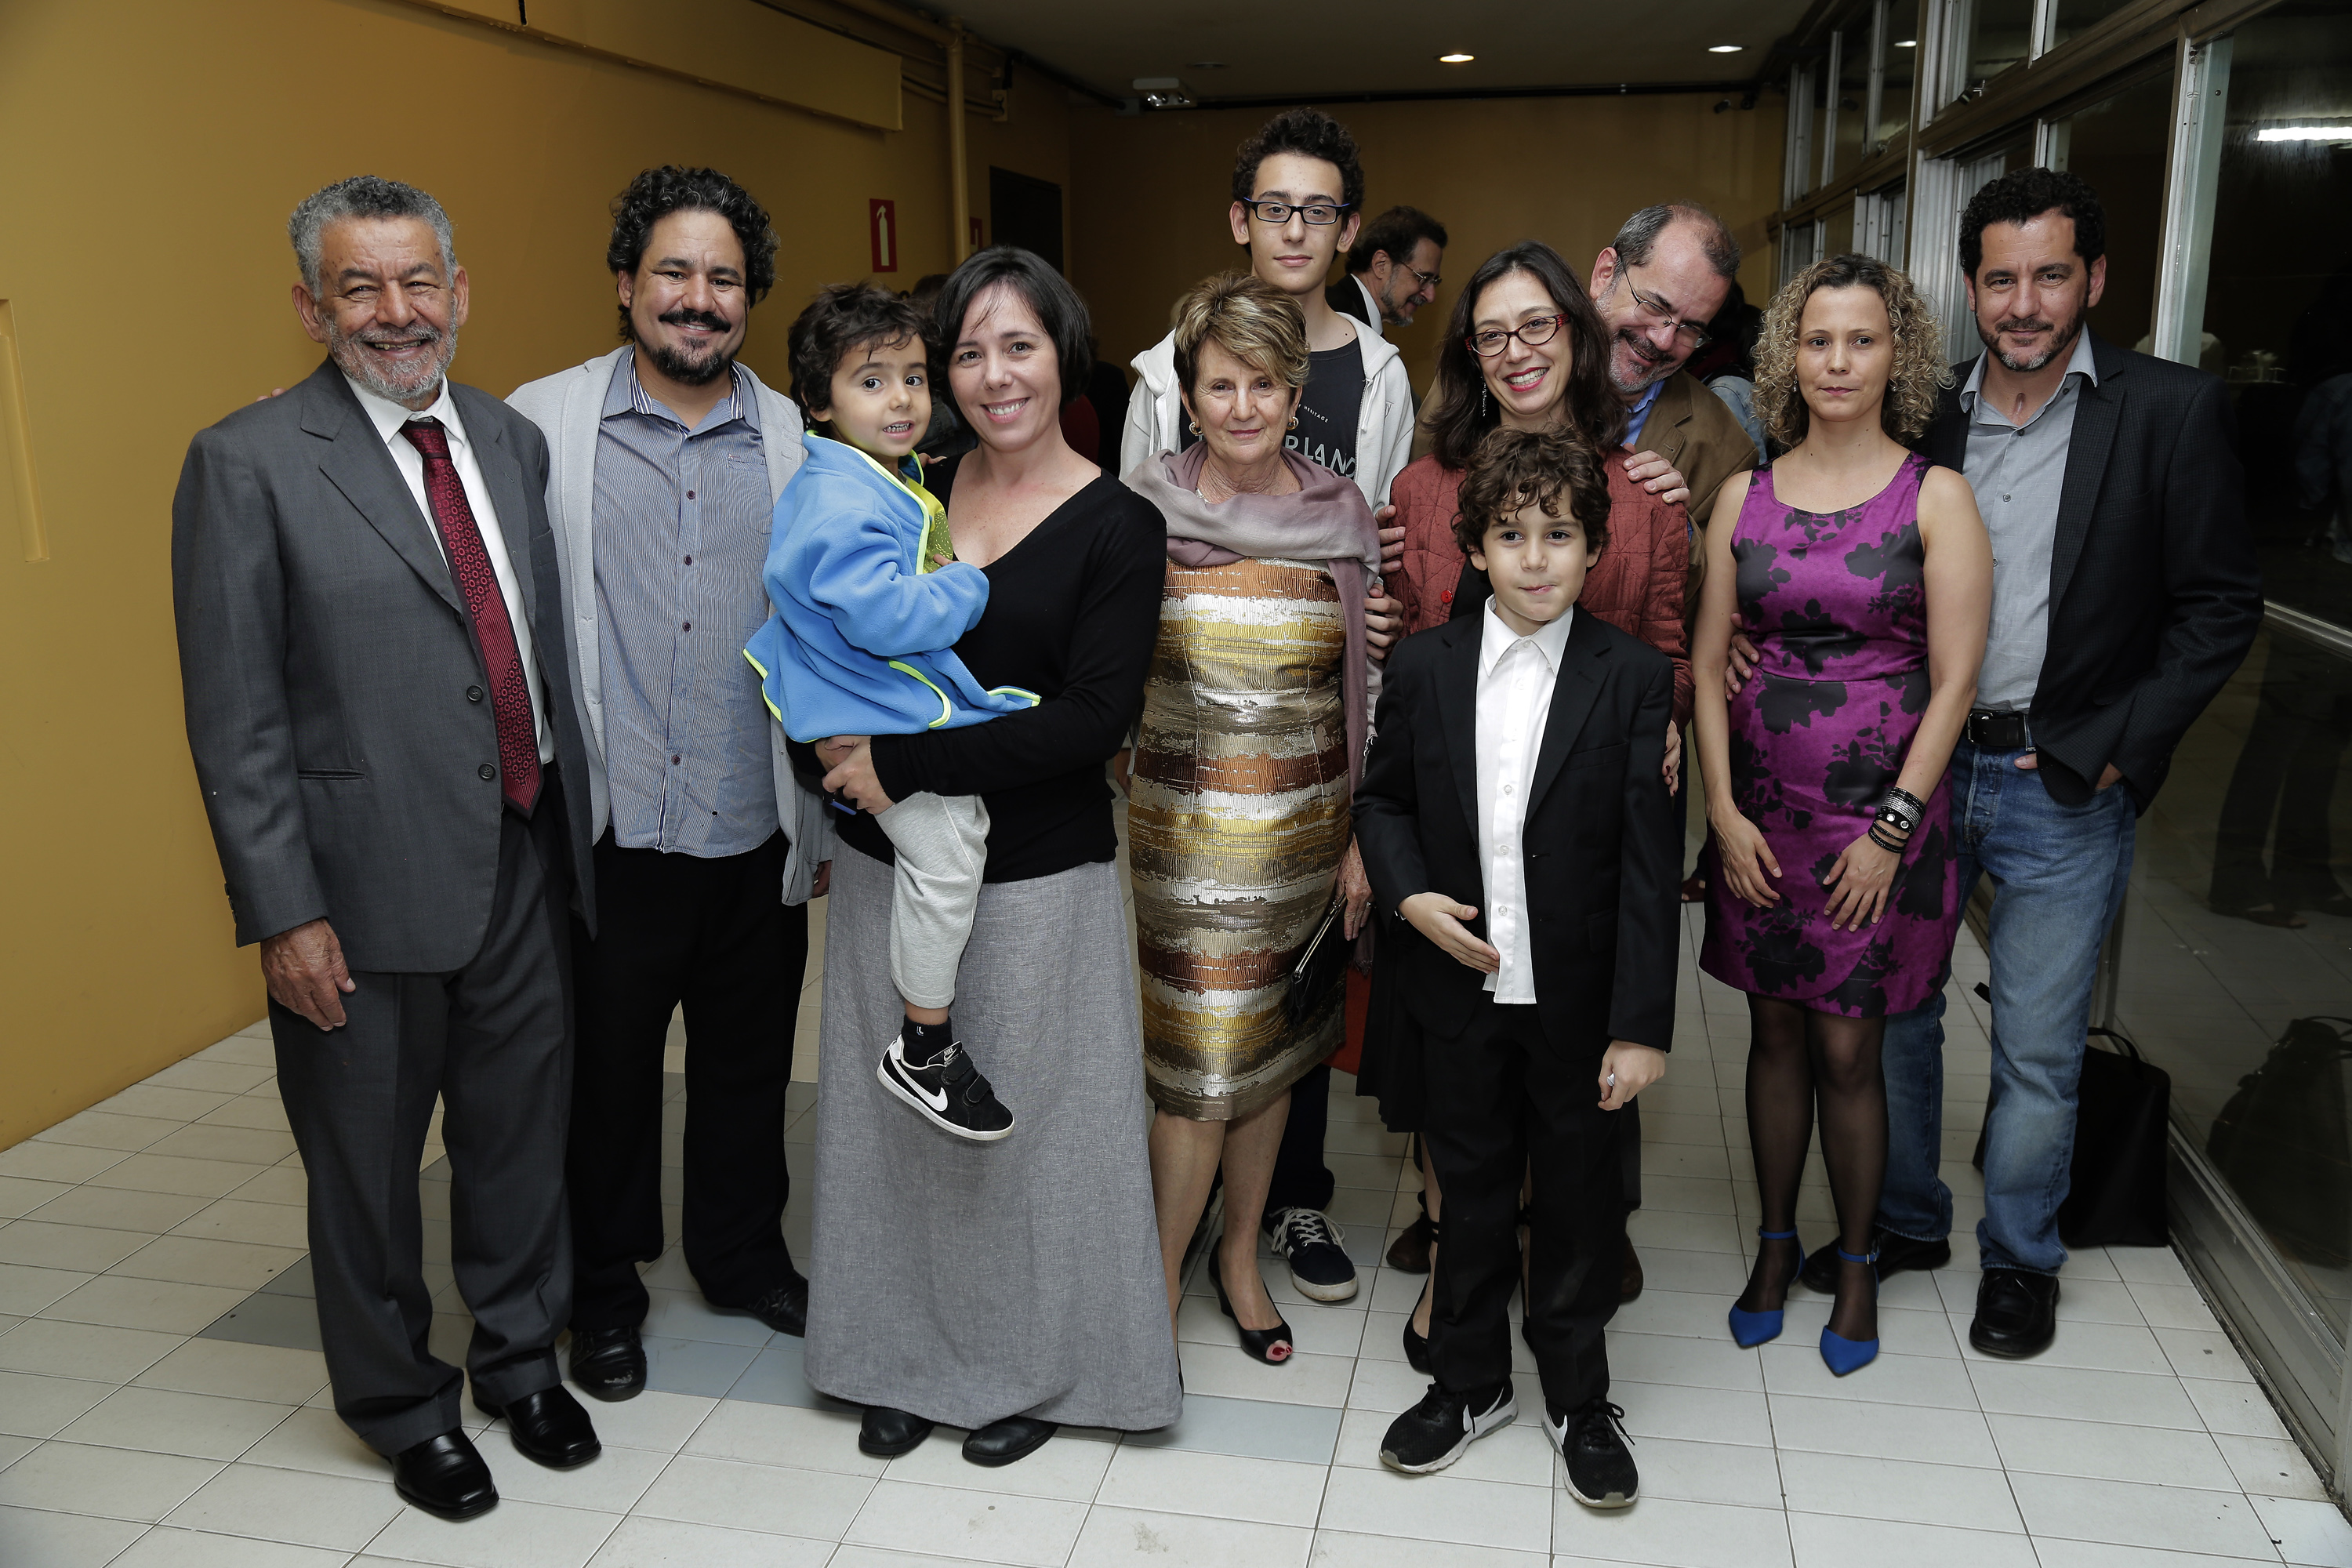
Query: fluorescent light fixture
[1456,59]
[1724,48]
[1165,92]
[2305,134]
[1907,43]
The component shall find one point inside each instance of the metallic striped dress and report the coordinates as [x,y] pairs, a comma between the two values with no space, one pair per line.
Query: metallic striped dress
[1236,822]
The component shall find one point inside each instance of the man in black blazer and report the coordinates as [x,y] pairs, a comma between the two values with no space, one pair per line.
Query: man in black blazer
[1513,816]
[2125,593]
[372,651]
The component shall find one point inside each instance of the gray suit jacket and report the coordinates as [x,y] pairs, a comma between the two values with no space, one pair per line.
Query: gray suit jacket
[568,408]
[325,659]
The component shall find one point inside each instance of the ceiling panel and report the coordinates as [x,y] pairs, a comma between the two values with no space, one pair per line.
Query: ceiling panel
[1249,49]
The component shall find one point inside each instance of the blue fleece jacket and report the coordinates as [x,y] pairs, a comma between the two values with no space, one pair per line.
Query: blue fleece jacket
[862,641]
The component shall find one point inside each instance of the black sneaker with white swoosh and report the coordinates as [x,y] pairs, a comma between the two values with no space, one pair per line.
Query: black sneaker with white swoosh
[948,1092]
[1435,1432]
[1592,1439]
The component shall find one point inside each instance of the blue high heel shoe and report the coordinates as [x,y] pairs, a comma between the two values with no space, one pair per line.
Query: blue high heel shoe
[1843,1355]
[1749,1329]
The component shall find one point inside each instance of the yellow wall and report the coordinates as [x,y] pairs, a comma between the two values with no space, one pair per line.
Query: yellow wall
[1153,190]
[149,153]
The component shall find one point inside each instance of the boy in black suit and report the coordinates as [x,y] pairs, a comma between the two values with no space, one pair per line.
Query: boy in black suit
[1513,814]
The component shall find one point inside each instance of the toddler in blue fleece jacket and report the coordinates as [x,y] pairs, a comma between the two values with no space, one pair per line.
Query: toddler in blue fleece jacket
[869,603]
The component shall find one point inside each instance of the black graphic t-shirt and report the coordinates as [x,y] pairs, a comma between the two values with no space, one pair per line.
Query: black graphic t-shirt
[1328,412]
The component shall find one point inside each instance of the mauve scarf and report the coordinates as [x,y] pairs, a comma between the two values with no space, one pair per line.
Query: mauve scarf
[1326,521]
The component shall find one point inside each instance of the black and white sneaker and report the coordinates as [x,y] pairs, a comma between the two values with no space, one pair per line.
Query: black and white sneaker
[1308,1240]
[1434,1432]
[1601,1473]
[950,1092]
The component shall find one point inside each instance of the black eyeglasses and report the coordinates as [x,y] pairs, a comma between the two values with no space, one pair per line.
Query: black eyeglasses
[1692,334]
[1534,332]
[1428,280]
[1319,214]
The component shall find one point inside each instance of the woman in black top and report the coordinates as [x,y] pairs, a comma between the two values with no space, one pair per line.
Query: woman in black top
[1010,1286]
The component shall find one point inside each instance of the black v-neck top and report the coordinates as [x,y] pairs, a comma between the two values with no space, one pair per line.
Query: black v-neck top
[1073,612]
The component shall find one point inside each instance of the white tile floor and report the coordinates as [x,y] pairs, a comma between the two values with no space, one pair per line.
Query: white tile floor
[159,1406]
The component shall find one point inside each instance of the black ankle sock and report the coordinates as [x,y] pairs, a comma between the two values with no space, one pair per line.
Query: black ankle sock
[927,1043]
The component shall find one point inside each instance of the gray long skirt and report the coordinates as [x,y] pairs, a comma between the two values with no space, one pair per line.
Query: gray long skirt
[966,1282]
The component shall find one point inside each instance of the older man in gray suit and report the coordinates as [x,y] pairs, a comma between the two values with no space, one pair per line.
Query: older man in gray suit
[381,707]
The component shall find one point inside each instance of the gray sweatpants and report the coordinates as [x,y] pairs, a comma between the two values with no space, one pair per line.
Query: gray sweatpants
[941,845]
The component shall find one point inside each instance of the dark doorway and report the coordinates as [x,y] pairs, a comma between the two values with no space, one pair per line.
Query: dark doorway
[1026,212]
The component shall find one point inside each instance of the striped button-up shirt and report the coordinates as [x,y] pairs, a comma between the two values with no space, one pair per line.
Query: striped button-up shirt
[681,521]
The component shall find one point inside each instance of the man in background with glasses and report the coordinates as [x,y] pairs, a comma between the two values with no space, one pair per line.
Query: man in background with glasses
[1391,269]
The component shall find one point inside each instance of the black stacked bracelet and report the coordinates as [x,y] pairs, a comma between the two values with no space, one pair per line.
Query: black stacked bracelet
[1879,836]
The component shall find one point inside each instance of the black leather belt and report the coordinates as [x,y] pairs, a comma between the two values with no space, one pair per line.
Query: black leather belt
[1996,731]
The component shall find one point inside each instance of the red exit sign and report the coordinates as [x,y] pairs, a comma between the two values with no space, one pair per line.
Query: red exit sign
[882,228]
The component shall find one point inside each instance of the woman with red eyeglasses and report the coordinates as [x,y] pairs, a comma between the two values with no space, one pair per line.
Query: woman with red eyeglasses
[1524,351]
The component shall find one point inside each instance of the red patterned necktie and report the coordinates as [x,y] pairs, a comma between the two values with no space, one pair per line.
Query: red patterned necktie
[493,633]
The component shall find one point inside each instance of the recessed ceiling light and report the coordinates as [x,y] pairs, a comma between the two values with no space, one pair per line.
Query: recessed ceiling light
[2305,134]
[1724,48]
[1456,59]
[1907,43]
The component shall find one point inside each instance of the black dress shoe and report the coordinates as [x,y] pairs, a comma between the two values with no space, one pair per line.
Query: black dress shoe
[784,1307]
[2017,1313]
[1896,1253]
[1001,1442]
[444,1476]
[886,1432]
[549,1426]
[608,1363]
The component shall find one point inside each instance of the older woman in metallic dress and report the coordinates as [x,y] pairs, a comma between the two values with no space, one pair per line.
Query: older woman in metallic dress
[1253,725]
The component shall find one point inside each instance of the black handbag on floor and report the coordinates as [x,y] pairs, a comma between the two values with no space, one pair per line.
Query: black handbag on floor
[2282,1142]
[2115,1190]
[1318,966]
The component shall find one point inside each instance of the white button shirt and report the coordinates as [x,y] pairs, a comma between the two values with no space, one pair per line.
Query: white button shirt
[388,417]
[1516,675]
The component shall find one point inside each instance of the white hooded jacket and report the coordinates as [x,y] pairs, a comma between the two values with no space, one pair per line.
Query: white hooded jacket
[1155,413]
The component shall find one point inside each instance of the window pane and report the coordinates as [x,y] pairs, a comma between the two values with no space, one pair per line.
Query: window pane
[2239,939]
[2003,29]
[1901,53]
[2278,300]
[2073,16]
[2119,145]
[1853,98]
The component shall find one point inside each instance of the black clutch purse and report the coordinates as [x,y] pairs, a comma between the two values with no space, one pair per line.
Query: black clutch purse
[1317,967]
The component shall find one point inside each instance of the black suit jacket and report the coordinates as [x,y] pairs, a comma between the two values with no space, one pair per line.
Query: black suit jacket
[2155,594]
[332,680]
[1347,297]
[1602,848]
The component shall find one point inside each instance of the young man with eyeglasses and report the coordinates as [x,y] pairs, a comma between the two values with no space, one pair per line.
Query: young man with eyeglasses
[1391,269]
[1298,194]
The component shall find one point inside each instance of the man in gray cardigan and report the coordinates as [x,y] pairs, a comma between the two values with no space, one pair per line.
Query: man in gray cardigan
[380,704]
[667,457]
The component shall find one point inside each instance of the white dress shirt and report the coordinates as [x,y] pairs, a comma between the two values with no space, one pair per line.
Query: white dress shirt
[388,417]
[1516,675]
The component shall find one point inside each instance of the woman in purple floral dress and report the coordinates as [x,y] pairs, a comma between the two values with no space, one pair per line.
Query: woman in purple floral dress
[1863,576]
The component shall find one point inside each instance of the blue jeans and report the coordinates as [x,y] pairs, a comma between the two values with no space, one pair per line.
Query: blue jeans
[2059,874]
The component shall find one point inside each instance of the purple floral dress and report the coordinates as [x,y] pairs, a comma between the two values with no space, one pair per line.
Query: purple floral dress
[1836,604]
